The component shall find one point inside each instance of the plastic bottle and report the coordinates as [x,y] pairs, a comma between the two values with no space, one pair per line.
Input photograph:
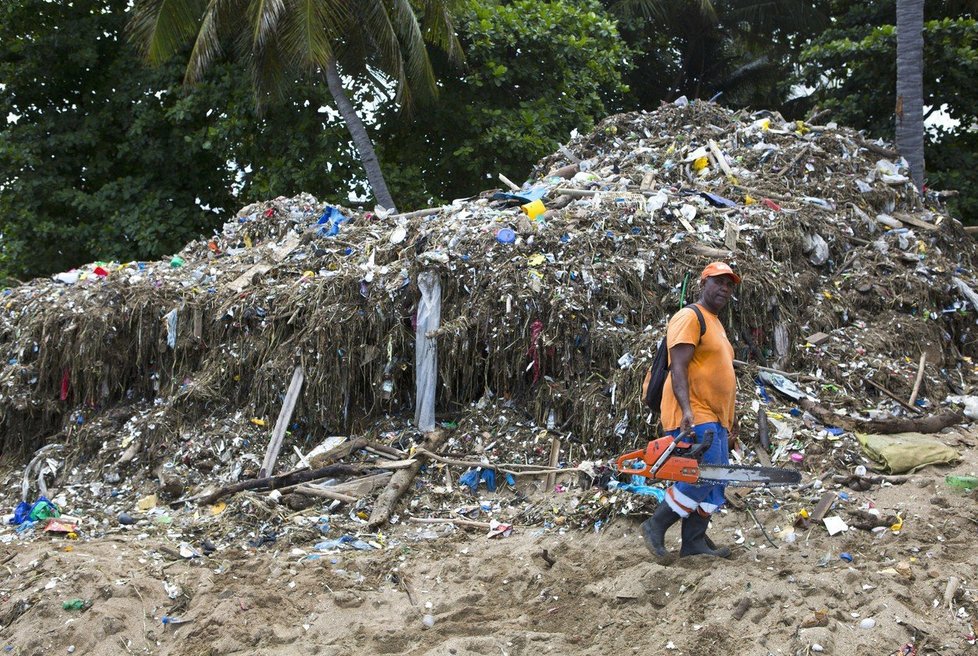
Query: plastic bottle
[963,483]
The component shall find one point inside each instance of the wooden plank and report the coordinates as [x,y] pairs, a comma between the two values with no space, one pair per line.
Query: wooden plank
[828,498]
[285,249]
[720,158]
[914,221]
[282,423]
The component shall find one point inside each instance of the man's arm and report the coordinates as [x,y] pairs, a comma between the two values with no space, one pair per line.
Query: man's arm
[680,356]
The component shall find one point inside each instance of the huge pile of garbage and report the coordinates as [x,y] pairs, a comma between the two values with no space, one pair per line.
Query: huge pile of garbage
[857,297]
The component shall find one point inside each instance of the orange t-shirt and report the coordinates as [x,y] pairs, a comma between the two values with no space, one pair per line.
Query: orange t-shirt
[712,384]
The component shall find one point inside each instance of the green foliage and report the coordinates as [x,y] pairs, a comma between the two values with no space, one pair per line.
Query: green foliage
[744,51]
[852,68]
[534,72]
[292,147]
[96,164]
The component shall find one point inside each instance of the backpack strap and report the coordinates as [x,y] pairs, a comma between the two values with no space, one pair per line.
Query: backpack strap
[699,316]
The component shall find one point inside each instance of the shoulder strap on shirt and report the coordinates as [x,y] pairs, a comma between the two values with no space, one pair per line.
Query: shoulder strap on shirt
[699,316]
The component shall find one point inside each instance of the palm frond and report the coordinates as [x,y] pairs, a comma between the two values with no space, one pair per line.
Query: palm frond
[264,16]
[418,66]
[160,28]
[639,9]
[269,65]
[219,18]
[386,48]
[438,27]
[311,28]
[767,15]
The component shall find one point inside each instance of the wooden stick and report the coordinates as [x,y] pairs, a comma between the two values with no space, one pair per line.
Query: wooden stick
[276,482]
[554,459]
[448,520]
[750,511]
[401,481]
[419,213]
[919,379]
[282,423]
[795,159]
[363,485]
[325,493]
[302,458]
[506,468]
[894,396]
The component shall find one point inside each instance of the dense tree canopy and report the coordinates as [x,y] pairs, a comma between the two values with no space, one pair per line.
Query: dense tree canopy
[536,70]
[852,68]
[95,155]
[102,158]
[744,52]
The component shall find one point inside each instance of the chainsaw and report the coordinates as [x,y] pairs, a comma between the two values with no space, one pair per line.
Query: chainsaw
[672,459]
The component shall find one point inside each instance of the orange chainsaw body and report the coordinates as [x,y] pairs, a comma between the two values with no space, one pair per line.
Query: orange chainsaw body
[676,467]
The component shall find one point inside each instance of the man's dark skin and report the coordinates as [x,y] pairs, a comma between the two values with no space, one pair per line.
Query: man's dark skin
[716,293]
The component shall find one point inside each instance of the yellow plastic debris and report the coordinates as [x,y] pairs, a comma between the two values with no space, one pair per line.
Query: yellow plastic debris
[536,260]
[899,524]
[257,421]
[146,503]
[700,163]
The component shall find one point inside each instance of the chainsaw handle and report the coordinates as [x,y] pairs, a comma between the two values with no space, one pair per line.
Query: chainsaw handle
[633,455]
[697,450]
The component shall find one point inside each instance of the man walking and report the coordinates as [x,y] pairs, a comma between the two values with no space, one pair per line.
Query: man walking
[697,399]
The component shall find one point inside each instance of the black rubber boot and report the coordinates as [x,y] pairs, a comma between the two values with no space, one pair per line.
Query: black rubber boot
[654,532]
[695,542]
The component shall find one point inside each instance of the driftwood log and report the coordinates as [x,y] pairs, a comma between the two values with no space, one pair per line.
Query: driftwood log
[888,426]
[284,480]
[401,480]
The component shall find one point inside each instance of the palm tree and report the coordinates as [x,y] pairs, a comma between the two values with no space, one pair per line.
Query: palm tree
[910,87]
[281,40]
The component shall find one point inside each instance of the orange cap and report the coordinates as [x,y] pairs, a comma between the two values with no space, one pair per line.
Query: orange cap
[719,269]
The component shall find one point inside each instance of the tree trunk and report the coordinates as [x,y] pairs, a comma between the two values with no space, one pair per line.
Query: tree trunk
[910,86]
[361,140]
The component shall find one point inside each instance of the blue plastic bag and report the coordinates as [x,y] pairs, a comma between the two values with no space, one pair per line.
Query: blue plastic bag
[473,477]
[40,509]
[330,222]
